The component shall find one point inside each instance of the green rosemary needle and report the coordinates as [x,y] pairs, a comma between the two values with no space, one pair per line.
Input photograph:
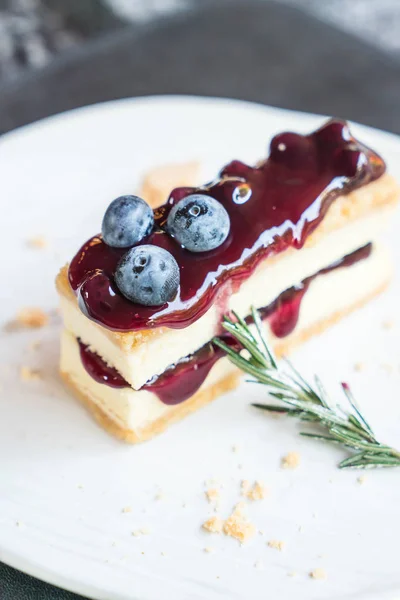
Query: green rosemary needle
[307,402]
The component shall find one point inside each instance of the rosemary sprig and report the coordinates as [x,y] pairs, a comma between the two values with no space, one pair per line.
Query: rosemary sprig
[307,402]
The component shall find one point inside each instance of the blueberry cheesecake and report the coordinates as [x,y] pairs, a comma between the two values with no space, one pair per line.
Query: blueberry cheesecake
[295,236]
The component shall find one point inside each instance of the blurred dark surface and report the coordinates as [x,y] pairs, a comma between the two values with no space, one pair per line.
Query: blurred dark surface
[258,51]
[255,51]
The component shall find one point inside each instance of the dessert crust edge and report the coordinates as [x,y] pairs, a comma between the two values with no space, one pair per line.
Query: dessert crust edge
[205,396]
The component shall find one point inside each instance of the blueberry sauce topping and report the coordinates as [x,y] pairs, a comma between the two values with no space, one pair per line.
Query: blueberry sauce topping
[271,207]
[181,381]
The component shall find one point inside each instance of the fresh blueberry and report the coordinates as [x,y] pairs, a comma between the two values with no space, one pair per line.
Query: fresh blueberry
[127,221]
[199,223]
[148,275]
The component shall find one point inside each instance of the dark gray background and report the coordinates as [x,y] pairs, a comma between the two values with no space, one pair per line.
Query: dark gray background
[259,51]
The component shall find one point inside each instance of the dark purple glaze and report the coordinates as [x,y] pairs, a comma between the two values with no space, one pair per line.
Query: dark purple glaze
[273,206]
[181,381]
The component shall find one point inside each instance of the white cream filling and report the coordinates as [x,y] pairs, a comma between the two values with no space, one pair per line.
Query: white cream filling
[326,295]
[152,357]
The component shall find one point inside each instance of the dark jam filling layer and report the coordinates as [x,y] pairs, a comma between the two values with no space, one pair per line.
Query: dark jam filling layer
[272,207]
[181,381]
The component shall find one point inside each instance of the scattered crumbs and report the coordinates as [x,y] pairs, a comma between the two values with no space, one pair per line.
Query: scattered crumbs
[276,544]
[114,544]
[318,573]
[209,550]
[142,553]
[80,487]
[213,525]
[314,515]
[217,577]
[257,492]
[261,532]
[238,526]
[127,509]
[388,324]
[34,345]
[361,479]
[141,531]
[244,487]
[292,574]
[33,318]
[235,448]
[259,565]
[213,495]
[240,466]
[163,553]
[159,496]
[28,374]
[184,505]
[20,524]
[39,242]
[359,366]
[290,461]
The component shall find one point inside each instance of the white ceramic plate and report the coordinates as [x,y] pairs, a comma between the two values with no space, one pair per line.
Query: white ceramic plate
[64,482]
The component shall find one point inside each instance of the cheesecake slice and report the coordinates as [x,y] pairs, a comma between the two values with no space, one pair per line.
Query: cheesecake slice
[296,236]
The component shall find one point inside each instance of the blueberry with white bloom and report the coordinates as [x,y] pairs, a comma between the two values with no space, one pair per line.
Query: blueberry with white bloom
[127,221]
[199,223]
[148,275]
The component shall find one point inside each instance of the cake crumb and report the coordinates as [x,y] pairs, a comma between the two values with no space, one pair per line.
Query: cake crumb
[292,574]
[361,479]
[137,533]
[31,317]
[145,531]
[213,496]
[276,544]
[235,448]
[34,345]
[318,573]
[238,526]
[290,461]
[244,487]
[20,524]
[159,496]
[127,509]
[387,324]
[163,553]
[213,525]
[28,374]
[39,242]
[209,550]
[359,366]
[259,565]
[257,492]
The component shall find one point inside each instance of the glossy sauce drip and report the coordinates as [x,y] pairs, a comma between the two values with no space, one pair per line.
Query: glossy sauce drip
[181,381]
[273,206]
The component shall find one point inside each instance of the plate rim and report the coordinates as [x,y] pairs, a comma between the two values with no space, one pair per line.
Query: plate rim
[19,561]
